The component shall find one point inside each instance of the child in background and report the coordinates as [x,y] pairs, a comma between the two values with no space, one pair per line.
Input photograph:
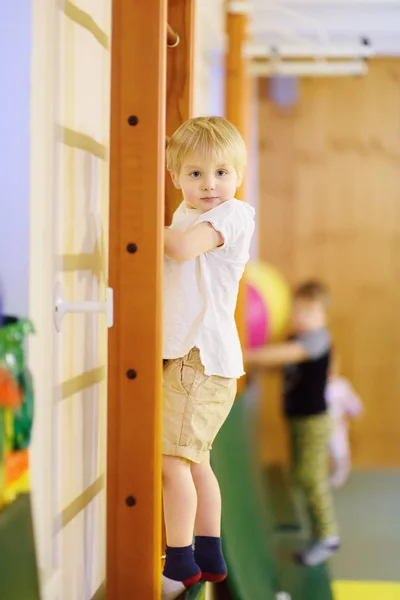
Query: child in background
[306,358]
[206,249]
[342,403]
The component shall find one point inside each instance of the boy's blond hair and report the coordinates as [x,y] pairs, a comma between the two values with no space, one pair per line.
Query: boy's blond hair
[214,137]
[315,291]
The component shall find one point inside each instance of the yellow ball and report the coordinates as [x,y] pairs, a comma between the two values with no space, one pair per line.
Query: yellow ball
[276,293]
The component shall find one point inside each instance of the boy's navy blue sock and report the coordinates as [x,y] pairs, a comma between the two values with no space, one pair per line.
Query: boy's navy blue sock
[208,555]
[180,566]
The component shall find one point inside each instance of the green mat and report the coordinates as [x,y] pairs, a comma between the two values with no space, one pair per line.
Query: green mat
[282,500]
[196,592]
[247,526]
[260,559]
[18,574]
[301,583]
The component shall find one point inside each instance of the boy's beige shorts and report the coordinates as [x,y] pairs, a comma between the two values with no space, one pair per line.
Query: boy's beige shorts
[195,407]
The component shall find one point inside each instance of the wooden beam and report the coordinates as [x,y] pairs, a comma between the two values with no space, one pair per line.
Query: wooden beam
[136,258]
[180,82]
[236,71]
[236,110]
[180,86]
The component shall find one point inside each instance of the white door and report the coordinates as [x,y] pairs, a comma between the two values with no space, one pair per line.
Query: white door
[69,248]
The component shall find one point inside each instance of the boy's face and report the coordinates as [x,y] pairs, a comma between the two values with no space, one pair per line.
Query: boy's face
[205,184]
[308,315]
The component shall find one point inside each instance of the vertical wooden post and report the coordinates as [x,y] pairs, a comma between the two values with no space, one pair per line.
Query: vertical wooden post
[236,71]
[180,82]
[136,258]
[236,103]
[180,87]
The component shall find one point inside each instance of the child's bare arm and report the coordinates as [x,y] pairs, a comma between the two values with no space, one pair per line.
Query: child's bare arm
[185,245]
[276,355]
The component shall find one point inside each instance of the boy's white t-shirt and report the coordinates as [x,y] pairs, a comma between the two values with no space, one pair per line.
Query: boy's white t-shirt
[200,294]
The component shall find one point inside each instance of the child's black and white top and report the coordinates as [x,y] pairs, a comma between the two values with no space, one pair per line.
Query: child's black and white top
[305,382]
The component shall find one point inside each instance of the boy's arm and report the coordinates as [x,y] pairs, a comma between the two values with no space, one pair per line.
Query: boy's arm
[185,245]
[276,355]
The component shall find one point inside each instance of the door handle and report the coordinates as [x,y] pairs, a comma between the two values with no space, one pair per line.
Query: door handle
[63,307]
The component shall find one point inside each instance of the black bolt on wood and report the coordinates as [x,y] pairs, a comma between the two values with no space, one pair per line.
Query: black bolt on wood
[132,248]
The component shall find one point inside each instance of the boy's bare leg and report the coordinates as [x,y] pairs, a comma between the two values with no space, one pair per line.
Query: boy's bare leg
[180,503]
[208,515]
[208,551]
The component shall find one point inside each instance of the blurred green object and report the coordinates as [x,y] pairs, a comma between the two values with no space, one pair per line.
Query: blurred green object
[12,335]
[2,452]
[23,417]
[12,356]
[18,569]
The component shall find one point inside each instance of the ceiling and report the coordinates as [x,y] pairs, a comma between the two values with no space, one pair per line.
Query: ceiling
[327,23]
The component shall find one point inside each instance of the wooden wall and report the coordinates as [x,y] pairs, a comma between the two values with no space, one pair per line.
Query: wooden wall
[330,208]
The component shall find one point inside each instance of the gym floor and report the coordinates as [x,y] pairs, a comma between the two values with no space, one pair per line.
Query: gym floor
[368,510]
[367,567]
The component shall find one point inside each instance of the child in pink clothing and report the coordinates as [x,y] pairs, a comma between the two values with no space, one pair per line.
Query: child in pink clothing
[342,403]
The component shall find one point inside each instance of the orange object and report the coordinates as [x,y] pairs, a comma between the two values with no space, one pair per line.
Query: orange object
[15,464]
[10,393]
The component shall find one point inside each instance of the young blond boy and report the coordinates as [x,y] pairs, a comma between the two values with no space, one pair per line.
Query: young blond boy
[306,358]
[206,249]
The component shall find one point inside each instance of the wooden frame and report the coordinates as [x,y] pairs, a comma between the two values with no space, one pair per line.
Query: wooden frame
[236,110]
[139,106]
[136,258]
[180,82]
[236,73]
